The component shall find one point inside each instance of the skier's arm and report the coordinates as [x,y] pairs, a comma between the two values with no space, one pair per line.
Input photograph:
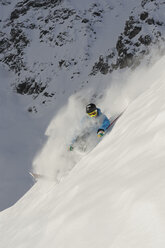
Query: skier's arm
[105,124]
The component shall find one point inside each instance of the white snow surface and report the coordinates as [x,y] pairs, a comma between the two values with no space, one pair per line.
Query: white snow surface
[114,196]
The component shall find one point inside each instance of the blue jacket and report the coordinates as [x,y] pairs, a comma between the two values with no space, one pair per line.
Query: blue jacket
[103,120]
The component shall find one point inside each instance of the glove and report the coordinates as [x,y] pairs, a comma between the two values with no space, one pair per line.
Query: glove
[100,133]
[71,148]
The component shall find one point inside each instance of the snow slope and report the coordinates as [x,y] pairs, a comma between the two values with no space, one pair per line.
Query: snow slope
[114,197]
[52,48]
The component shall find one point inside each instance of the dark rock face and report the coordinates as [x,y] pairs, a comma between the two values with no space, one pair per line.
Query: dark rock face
[54,29]
[132,28]
[4,44]
[145,40]
[5,2]
[85,20]
[144,2]
[101,66]
[12,47]
[18,38]
[33,79]
[23,7]
[150,21]
[29,87]
[143,15]
[132,45]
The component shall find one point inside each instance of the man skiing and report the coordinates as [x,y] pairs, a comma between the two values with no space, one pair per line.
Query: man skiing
[96,121]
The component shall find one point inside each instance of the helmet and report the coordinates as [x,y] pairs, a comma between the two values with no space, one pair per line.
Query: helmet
[91,110]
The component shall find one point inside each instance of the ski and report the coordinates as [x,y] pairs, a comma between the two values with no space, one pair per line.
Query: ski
[113,122]
[36,176]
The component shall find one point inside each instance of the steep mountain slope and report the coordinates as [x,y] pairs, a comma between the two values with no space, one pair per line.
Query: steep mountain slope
[114,197]
[55,48]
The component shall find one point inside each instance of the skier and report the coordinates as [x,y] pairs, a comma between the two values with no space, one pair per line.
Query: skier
[98,121]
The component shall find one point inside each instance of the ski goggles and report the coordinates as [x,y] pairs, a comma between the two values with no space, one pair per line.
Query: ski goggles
[92,114]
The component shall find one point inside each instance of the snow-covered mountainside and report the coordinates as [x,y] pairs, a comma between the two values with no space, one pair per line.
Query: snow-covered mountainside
[54,46]
[114,197]
[55,50]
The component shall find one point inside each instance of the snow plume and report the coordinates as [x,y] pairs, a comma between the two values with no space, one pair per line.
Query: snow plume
[54,160]
[126,86]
